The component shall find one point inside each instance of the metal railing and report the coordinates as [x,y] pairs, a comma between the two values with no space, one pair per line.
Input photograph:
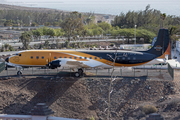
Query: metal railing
[15,117]
[31,117]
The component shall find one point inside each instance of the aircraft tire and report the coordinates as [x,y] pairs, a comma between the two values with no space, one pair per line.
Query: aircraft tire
[19,73]
[77,74]
[80,71]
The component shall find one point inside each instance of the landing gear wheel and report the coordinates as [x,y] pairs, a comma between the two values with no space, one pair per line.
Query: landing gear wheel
[19,73]
[77,74]
[80,71]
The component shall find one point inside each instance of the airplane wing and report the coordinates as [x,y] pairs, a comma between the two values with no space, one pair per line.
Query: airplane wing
[76,64]
[72,63]
[13,65]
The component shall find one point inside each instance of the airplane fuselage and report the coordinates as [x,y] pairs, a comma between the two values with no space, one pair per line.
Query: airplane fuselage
[95,58]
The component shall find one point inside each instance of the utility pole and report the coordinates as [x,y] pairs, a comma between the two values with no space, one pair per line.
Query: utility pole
[135,34]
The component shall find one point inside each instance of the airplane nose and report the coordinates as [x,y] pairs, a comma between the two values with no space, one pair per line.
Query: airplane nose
[7,59]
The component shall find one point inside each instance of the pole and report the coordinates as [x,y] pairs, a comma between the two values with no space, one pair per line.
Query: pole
[70,72]
[96,72]
[135,34]
[121,72]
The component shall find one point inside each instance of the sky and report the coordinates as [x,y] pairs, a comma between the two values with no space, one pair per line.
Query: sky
[165,6]
[147,1]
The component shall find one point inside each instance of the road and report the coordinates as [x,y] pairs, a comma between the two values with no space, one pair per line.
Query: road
[15,43]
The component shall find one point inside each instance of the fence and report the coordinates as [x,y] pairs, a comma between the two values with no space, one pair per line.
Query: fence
[171,71]
[2,66]
[152,71]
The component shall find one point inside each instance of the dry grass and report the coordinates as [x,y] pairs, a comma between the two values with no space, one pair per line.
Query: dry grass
[147,109]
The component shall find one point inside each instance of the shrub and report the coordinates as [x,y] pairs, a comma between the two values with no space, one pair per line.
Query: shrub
[149,109]
[91,118]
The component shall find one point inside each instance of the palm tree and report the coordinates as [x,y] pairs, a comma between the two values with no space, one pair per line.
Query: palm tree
[163,17]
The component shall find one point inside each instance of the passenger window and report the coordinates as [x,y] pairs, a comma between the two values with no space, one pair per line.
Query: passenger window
[80,57]
[134,58]
[31,57]
[42,57]
[90,57]
[123,58]
[85,57]
[74,57]
[70,57]
[37,57]
[65,57]
[129,58]
[118,58]
[100,57]
[59,57]
[19,54]
[54,57]
[95,58]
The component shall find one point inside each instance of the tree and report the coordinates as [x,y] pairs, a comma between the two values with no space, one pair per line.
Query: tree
[127,33]
[34,24]
[8,23]
[59,32]
[105,26]
[51,32]
[37,33]
[163,17]
[25,38]
[47,24]
[72,24]
[55,24]
[97,31]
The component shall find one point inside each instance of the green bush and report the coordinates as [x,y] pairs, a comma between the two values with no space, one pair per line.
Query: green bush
[91,118]
[147,109]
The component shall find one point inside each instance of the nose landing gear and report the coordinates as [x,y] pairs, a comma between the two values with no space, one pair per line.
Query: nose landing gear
[19,73]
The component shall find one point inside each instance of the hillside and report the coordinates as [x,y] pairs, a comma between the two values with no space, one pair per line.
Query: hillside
[85,97]
[98,17]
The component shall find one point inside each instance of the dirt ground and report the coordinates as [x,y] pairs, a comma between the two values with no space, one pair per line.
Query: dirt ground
[86,97]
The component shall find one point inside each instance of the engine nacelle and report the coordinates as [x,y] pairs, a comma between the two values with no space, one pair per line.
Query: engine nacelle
[54,64]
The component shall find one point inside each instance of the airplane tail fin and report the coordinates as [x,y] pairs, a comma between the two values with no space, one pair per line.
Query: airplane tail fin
[162,44]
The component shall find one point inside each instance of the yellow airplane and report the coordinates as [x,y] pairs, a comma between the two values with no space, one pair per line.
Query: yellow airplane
[79,59]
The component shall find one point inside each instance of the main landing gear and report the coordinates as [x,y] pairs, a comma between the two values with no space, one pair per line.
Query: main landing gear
[19,73]
[79,73]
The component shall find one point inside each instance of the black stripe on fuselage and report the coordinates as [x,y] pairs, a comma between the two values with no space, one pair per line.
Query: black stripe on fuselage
[124,57]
